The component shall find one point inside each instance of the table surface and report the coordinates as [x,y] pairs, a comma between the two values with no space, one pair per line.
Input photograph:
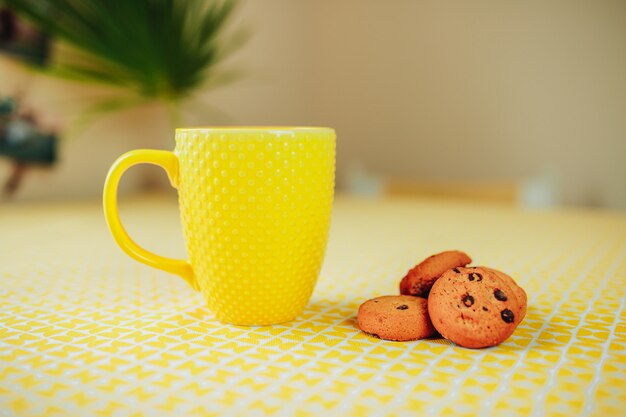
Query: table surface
[86,331]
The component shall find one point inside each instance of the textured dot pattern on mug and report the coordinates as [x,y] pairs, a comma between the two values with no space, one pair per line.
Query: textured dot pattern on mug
[264,200]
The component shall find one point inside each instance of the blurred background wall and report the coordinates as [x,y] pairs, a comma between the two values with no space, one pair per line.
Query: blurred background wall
[419,91]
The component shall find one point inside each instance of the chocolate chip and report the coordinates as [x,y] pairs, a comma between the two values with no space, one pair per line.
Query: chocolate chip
[475,276]
[485,309]
[507,315]
[456,270]
[402,307]
[468,300]
[500,296]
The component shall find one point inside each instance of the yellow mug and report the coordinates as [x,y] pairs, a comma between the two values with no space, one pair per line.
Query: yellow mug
[255,205]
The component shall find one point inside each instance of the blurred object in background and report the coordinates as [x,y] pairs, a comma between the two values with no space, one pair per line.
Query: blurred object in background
[22,141]
[361,181]
[540,191]
[537,192]
[21,40]
[141,52]
[493,191]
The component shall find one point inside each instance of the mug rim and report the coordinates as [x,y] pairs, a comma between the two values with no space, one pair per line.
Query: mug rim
[251,129]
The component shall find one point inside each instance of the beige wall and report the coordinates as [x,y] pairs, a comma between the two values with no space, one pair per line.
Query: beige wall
[480,90]
[485,91]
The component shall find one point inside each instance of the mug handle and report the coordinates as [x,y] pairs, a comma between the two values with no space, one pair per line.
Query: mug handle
[169,162]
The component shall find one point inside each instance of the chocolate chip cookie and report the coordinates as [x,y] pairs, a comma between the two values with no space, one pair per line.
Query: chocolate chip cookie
[396,317]
[419,280]
[476,307]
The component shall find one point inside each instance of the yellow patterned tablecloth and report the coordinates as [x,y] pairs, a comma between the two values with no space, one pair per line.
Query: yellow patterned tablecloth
[86,331]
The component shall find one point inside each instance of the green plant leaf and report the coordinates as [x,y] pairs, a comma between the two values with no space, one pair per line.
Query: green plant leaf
[158,49]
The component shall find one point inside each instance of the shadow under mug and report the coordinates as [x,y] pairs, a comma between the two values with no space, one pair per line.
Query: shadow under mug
[255,205]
